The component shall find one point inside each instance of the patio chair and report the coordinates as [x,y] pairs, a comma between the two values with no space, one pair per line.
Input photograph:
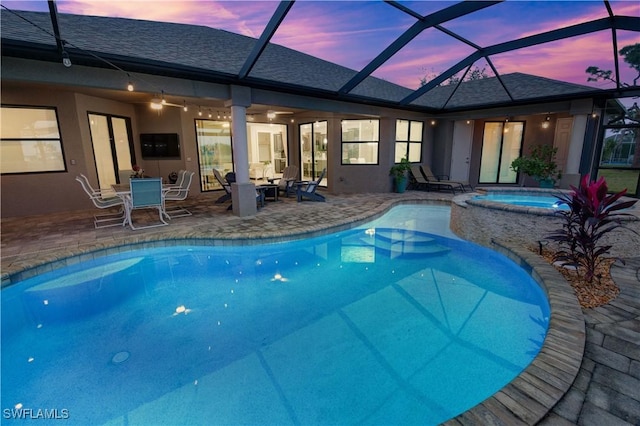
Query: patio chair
[418,180]
[287,181]
[102,201]
[179,193]
[442,181]
[145,194]
[308,189]
[225,185]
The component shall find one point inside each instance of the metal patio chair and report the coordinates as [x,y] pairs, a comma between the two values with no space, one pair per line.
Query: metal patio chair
[145,194]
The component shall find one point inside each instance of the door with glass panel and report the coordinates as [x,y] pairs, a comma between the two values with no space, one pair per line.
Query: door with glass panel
[501,144]
[112,148]
[313,150]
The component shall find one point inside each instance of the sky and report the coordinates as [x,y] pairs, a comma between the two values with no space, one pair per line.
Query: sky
[352,33]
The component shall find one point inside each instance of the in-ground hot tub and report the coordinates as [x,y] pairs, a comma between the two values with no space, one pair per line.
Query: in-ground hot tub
[526,216]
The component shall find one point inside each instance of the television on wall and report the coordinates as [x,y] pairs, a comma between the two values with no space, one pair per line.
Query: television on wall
[160,145]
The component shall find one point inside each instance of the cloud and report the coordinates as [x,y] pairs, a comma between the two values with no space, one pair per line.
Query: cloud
[242,17]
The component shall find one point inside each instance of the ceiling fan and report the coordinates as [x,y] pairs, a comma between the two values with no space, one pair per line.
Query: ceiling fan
[159,103]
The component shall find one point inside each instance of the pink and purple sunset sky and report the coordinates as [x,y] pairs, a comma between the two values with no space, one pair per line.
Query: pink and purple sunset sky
[352,33]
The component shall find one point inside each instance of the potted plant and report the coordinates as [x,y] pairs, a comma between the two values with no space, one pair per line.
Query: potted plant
[540,165]
[399,173]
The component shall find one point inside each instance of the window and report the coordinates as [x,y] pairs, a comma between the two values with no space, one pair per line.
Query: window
[30,141]
[501,144]
[620,150]
[360,140]
[409,140]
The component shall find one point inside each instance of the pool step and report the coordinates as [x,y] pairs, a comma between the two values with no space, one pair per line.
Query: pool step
[407,243]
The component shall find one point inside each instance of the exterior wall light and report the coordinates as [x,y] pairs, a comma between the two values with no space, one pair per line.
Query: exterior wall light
[545,123]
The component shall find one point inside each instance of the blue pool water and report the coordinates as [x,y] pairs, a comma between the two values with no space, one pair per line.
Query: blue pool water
[544,202]
[388,323]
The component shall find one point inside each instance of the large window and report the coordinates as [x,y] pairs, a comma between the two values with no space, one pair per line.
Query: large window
[620,151]
[30,140]
[501,144]
[268,150]
[360,140]
[409,140]
[214,151]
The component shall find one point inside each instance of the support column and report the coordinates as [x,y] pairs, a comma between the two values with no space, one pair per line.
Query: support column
[243,191]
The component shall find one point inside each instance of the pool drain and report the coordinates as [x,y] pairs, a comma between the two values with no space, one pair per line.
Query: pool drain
[120,357]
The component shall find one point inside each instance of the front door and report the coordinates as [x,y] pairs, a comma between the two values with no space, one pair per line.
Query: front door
[461,150]
[562,140]
[113,151]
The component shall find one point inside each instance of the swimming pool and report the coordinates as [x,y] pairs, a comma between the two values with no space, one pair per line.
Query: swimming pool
[380,324]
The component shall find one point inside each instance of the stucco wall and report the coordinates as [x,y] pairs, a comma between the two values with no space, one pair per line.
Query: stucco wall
[40,193]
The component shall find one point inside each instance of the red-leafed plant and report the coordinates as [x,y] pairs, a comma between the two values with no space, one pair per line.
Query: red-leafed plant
[592,214]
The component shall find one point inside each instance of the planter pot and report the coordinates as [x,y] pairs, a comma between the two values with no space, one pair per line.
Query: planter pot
[546,183]
[401,184]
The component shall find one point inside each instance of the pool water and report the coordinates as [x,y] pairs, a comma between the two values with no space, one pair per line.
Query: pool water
[388,323]
[544,202]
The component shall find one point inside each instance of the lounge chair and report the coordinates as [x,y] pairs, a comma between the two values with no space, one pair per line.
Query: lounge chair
[442,181]
[179,193]
[145,194]
[287,181]
[418,179]
[103,201]
[308,189]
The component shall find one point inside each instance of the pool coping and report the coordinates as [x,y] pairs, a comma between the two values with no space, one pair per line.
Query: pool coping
[525,400]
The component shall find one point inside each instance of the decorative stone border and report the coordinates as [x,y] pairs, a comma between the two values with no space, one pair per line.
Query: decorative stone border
[481,221]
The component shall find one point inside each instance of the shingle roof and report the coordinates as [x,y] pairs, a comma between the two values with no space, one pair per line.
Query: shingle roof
[217,52]
[488,91]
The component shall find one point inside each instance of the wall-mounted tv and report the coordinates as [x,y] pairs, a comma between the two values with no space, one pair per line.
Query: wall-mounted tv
[160,145]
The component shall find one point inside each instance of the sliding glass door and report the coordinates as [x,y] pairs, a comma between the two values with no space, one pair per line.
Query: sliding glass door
[214,151]
[112,148]
[501,144]
[313,150]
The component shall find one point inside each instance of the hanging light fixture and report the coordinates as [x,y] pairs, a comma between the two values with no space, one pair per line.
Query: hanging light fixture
[184,106]
[66,61]
[199,111]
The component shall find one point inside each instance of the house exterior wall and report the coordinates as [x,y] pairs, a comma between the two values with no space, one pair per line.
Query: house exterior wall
[40,193]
